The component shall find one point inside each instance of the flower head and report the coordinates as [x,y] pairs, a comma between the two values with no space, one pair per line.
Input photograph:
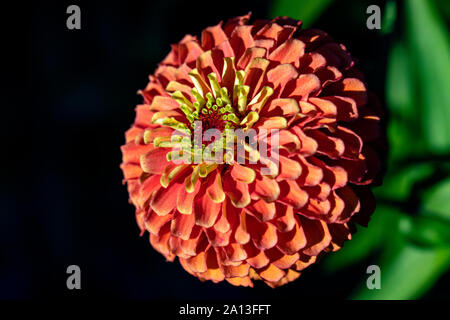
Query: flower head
[231,209]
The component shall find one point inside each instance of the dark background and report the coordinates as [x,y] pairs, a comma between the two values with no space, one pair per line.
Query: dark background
[71,95]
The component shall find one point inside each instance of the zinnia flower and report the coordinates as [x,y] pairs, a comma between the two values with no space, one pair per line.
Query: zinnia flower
[232,221]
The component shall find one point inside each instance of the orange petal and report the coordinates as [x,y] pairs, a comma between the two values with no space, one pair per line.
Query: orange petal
[327,145]
[240,40]
[237,191]
[311,175]
[206,211]
[242,174]
[249,55]
[284,219]
[182,225]
[308,145]
[236,271]
[292,194]
[154,222]
[292,241]
[254,75]
[241,281]
[164,200]
[280,76]
[271,273]
[302,87]
[262,210]
[212,36]
[263,234]
[215,188]
[289,168]
[185,200]
[266,188]
[281,107]
[235,252]
[317,235]
[289,52]
[160,103]
[154,161]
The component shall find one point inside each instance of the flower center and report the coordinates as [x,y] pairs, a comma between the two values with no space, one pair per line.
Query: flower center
[223,107]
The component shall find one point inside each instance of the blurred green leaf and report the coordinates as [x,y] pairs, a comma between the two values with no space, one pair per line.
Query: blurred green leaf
[365,240]
[409,273]
[304,10]
[405,136]
[429,44]
[397,185]
[389,17]
[437,200]
[430,232]
[444,7]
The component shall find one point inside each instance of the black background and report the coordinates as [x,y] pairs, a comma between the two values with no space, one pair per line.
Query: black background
[69,98]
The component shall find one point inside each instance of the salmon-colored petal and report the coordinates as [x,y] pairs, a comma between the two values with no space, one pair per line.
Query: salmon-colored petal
[206,211]
[185,200]
[349,87]
[289,168]
[241,281]
[271,123]
[241,234]
[271,273]
[280,76]
[146,189]
[164,200]
[263,234]
[240,40]
[308,145]
[317,235]
[164,103]
[281,260]
[242,174]
[292,241]
[311,175]
[154,222]
[235,252]
[237,191]
[182,225]
[218,239]
[215,188]
[304,261]
[302,87]
[332,147]
[281,107]
[131,171]
[266,188]
[284,219]
[262,210]
[254,75]
[213,36]
[291,194]
[249,55]
[256,257]
[311,61]
[236,271]
[289,52]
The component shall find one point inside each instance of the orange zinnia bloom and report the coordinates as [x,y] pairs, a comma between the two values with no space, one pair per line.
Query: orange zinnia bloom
[231,221]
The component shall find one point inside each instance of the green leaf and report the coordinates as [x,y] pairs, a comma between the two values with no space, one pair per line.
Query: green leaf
[409,273]
[436,201]
[430,232]
[429,44]
[404,126]
[389,17]
[366,240]
[397,185]
[304,10]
